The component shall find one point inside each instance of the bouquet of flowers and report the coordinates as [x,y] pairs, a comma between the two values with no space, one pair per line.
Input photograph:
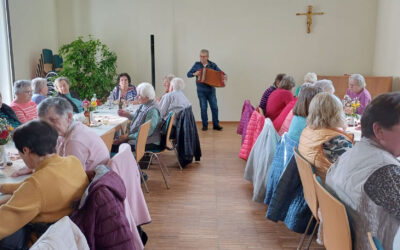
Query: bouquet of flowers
[350,106]
[5,131]
[90,106]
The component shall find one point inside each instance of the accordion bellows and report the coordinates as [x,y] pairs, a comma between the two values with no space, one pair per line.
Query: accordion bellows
[212,77]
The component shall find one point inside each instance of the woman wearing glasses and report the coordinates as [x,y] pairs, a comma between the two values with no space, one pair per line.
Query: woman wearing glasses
[23,106]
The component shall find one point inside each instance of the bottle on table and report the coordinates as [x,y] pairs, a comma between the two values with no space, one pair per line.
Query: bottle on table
[120,104]
[86,113]
[110,100]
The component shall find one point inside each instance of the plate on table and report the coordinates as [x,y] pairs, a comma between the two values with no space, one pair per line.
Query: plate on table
[93,125]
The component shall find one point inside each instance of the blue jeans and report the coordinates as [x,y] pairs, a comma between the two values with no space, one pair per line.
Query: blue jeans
[207,93]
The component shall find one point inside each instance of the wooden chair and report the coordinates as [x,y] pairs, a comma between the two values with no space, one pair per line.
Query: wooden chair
[108,139]
[141,146]
[306,176]
[156,153]
[336,229]
[371,241]
[171,144]
[259,110]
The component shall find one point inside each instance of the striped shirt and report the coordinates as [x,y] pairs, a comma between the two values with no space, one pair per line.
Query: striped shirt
[25,111]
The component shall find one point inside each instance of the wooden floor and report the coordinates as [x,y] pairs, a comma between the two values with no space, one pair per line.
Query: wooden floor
[209,204]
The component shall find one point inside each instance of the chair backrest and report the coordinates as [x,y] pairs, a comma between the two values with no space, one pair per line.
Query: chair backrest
[108,139]
[170,121]
[336,228]
[141,140]
[306,176]
[260,111]
[371,241]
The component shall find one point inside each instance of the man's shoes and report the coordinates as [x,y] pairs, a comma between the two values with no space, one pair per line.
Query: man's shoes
[217,127]
[204,128]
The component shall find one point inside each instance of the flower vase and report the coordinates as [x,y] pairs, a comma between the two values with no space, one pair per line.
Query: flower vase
[4,160]
[352,121]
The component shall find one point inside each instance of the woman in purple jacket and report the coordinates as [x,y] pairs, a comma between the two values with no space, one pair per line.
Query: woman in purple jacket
[268,91]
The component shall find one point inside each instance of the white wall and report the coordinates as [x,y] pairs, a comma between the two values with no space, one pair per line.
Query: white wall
[387,50]
[33,28]
[251,41]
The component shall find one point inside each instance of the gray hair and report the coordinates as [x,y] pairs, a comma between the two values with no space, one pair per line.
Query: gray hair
[169,77]
[38,84]
[359,78]
[325,85]
[177,83]
[287,82]
[145,89]
[20,85]
[310,77]
[326,111]
[204,51]
[61,106]
[59,79]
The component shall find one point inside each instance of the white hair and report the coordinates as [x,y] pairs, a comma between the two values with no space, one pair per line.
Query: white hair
[177,83]
[145,89]
[359,78]
[169,77]
[325,85]
[38,84]
[20,85]
[310,77]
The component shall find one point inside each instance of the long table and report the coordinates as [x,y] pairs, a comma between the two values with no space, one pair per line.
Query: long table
[106,119]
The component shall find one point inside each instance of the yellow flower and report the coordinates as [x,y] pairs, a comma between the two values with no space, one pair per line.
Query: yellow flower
[10,128]
[94,104]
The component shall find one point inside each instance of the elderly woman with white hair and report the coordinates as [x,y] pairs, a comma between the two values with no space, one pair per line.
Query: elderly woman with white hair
[40,89]
[324,139]
[325,85]
[174,101]
[357,90]
[63,86]
[148,111]
[310,77]
[22,105]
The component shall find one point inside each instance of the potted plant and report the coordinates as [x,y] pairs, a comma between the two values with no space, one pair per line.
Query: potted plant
[90,66]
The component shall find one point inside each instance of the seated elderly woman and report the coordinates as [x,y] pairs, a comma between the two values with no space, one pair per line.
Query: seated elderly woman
[167,82]
[22,105]
[62,86]
[148,111]
[278,100]
[47,195]
[124,89]
[367,177]
[308,78]
[75,138]
[323,140]
[174,101]
[40,89]
[7,113]
[295,121]
[268,91]
[357,90]
[325,85]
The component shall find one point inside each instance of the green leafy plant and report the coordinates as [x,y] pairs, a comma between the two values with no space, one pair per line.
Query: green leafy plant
[90,66]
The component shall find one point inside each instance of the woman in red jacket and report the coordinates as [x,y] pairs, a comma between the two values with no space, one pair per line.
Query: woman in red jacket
[278,100]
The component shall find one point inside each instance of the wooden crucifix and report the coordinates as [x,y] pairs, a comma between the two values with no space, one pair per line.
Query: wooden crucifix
[309,15]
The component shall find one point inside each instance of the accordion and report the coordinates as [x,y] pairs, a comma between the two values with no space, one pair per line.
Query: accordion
[211,77]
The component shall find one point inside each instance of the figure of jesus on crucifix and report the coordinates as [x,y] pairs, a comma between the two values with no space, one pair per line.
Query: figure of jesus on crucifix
[309,17]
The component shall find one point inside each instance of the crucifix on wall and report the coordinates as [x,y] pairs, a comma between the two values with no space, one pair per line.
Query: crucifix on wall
[309,15]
